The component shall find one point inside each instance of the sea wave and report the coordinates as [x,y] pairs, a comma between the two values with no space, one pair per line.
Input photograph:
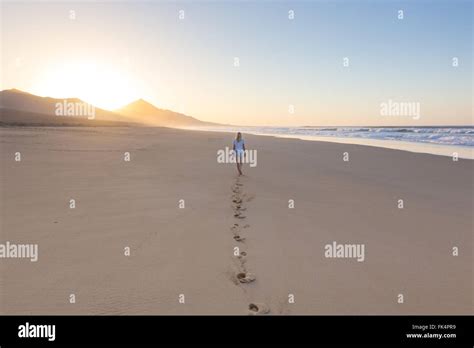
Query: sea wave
[458,136]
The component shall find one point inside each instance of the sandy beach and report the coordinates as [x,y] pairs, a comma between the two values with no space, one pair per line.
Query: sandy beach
[190,251]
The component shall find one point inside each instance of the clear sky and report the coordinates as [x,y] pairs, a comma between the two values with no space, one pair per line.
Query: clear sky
[114,52]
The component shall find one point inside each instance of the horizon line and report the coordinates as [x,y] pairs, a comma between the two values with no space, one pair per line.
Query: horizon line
[224,125]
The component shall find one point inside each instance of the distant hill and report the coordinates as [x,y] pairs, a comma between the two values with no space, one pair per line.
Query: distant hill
[14,99]
[143,112]
[12,117]
[22,108]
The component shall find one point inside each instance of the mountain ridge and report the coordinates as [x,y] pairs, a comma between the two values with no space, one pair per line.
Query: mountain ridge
[148,113]
[139,112]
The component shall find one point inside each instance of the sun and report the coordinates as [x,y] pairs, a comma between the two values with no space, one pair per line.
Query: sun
[102,85]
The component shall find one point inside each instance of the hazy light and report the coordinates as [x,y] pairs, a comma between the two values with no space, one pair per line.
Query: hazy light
[102,85]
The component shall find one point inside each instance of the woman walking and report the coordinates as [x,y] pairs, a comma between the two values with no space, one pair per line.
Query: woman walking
[239,150]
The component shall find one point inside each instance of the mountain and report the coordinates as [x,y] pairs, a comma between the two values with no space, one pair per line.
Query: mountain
[22,108]
[143,112]
[13,117]
[16,100]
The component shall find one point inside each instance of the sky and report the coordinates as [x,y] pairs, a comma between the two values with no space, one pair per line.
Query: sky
[290,72]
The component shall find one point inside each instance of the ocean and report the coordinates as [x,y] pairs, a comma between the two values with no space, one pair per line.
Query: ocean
[434,140]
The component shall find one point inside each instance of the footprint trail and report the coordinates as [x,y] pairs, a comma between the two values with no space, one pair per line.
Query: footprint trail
[242,276]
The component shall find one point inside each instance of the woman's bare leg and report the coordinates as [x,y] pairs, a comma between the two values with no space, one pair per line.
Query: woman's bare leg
[239,165]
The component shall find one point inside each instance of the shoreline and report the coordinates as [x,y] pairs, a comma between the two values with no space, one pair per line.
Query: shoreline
[464,152]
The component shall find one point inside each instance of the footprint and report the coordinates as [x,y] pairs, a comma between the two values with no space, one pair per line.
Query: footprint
[239,215]
[239,207]
[258,309]
[237,200]
[239,238]
[245,277]
[247,226]
[242,258]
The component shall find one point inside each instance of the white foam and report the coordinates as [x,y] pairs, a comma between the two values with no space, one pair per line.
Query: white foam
[442,141]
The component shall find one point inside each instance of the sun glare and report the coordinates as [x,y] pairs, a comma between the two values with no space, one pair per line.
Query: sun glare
[103,86]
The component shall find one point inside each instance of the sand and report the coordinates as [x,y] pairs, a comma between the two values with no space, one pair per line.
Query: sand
[190,251]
